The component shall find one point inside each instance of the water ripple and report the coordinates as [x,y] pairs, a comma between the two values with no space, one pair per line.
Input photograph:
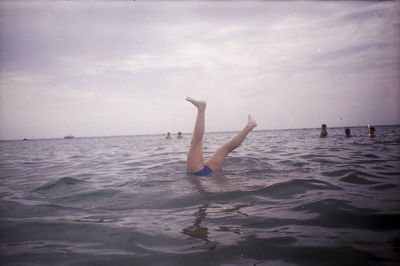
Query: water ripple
[282,198]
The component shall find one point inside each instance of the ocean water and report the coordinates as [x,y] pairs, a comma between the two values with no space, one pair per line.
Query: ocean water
[285,197]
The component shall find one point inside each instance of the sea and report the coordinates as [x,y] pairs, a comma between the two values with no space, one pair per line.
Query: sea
[284,197]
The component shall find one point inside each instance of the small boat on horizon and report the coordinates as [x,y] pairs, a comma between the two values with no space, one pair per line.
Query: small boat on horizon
[69,137]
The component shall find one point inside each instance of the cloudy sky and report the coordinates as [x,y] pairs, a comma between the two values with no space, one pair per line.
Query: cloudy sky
[125,68]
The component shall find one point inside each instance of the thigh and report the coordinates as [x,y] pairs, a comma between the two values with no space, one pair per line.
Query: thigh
[217,160]
[194,161]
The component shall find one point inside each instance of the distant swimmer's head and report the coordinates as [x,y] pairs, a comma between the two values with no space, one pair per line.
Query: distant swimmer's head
[371,131]
[324,133]
[179,135]
[347,132]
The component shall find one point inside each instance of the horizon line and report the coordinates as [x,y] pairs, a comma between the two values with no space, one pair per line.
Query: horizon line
[155,134]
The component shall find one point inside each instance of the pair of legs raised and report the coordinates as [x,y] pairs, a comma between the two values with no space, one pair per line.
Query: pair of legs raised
[195,162]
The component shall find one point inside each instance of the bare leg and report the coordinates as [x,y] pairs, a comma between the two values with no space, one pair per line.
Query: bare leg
[194,161]
[216,161]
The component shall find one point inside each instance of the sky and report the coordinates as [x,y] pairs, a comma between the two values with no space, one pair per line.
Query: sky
[125,68]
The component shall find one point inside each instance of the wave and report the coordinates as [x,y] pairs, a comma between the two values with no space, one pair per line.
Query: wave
[341,214]
[62,183]
[280,190]
[384,187]
[293,187]
[355,178]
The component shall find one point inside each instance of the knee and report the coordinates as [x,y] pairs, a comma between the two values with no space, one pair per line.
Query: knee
[226,149]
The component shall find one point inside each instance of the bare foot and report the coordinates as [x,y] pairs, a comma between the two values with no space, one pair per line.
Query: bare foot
[252,123]
[201,105]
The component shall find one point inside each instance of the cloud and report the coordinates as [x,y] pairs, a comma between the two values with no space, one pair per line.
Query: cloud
[125,68]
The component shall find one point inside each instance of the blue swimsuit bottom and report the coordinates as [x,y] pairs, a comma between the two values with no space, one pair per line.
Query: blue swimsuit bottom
[205,171]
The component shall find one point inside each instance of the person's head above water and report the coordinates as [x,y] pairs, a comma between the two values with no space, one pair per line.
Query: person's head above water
[324,133]
[347,132]
[371,131]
